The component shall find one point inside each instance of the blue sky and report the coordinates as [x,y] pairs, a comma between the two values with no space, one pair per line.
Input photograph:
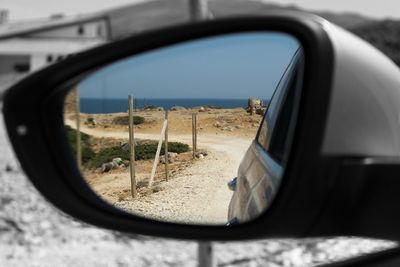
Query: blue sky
[236,66]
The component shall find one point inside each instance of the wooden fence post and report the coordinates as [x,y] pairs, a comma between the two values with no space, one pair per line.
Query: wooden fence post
[157,158]
[194,134]
[132,148]
[205,255]
[166,146]
[78,129]
[198,10]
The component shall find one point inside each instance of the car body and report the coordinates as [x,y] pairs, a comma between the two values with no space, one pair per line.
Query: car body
[260,172]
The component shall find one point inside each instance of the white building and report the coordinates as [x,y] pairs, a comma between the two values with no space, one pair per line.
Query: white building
[30,45]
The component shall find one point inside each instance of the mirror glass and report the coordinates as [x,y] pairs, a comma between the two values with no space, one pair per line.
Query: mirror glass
[194,133]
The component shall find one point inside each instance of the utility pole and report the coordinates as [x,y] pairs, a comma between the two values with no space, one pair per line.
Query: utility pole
[198,10]
[206,255]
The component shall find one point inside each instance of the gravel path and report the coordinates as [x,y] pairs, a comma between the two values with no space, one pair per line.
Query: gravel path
[198,194]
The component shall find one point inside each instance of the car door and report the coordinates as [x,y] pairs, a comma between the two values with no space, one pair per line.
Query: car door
[261,169]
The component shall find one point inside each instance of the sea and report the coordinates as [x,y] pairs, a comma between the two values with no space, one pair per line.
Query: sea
[93,106]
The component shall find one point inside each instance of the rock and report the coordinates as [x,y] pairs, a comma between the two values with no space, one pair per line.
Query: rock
[261,110]
[218,124]
[228,128]
[117,160]
[255,125]
[90,121]
[106,167]
[171,157]
[176,108]
[125,145]
[254,104]
[201,154]
[153,108]
[239,126]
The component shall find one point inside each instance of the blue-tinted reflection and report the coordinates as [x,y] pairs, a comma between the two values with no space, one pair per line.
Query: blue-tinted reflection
[229,67]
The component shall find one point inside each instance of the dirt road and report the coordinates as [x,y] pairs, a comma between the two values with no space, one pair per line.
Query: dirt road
[198,194]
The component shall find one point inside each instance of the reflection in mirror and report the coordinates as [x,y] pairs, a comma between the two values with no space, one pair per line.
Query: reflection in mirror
[171,134]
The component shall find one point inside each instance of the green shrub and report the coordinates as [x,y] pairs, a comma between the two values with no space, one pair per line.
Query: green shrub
[148,151]
[87,154]
[145,151]
[150,107]
[87,151]
[71,134]
[213,107]
[124,120]
[107,155]
[142,152]
[176,147]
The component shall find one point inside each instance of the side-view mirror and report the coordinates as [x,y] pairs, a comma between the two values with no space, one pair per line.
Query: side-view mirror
[143,135]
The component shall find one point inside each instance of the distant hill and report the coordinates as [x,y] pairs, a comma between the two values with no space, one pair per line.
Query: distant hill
[385,35]
[132,19]
[345,20]
[221,8]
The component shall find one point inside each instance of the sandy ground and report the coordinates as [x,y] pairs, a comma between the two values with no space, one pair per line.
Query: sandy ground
[227,122]
[196,194]
[34,233]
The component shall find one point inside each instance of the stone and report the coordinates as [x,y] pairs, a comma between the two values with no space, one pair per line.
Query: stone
[218,124]
[201,154]
[254,105]
[228,128]
[90,121]
[176,108]
[261,110]
[117,160]
[171,157]
[106,167]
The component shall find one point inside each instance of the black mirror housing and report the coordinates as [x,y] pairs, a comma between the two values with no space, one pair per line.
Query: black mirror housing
[33,114]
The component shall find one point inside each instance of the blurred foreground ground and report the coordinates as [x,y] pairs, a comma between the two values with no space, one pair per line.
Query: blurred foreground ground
[33,233]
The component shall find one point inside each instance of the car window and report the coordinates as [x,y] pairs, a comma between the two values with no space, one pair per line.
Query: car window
[275,125]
